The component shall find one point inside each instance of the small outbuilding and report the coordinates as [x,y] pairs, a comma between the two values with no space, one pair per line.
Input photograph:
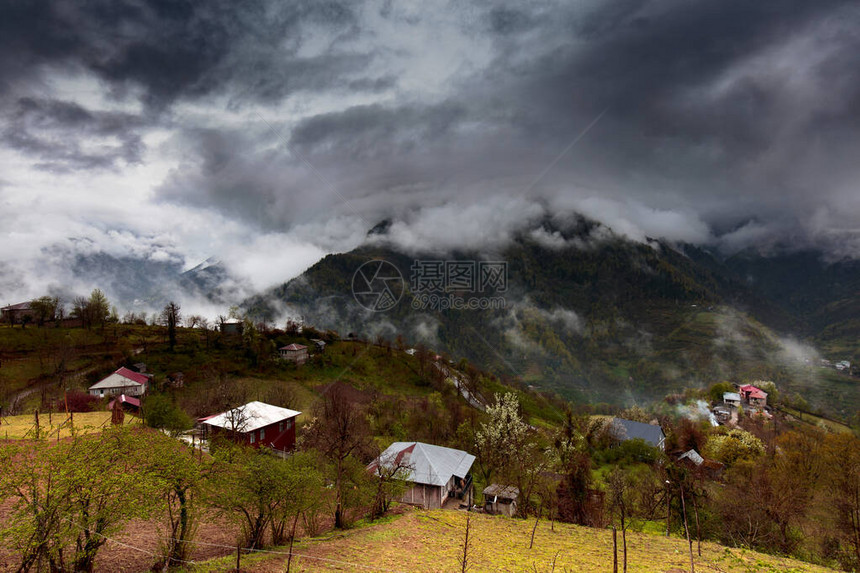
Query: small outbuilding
[297,353]
[501,499]
[127,403]
[732,399]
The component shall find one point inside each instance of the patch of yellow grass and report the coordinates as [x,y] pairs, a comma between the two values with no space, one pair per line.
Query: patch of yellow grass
[23,427]
[431,541]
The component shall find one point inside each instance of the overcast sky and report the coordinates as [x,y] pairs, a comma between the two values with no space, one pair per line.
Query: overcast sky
[270,134]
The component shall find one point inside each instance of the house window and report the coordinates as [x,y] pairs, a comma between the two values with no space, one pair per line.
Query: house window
[280,427]
[262,434]
[289,423]
[252,437]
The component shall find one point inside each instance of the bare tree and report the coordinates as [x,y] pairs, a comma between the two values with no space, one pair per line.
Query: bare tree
[339,431]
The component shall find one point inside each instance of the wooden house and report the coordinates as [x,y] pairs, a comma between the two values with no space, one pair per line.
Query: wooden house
[297,353]
[255,424]
[437,473]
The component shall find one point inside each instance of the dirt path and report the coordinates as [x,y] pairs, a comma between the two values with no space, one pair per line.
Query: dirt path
[18,398]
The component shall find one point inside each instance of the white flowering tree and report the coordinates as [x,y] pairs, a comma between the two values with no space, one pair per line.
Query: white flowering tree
[500,439]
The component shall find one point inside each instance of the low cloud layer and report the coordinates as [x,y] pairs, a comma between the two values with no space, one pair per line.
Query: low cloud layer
[270,136]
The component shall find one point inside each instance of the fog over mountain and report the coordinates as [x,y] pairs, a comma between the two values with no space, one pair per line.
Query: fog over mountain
[269,135]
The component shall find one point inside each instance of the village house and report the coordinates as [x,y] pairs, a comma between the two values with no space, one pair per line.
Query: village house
[437,473]
[297,353]
[501,499]
[18,313]
[629,430]
[732,399]
[255,424]
[753,396]
[232,326]
[123,381]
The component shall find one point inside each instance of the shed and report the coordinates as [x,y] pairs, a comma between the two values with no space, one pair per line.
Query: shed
[732,399]
[126,403]
[501,499]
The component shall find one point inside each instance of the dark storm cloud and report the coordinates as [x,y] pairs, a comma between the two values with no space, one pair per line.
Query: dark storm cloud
[732,122]
[57,135]
[173,49]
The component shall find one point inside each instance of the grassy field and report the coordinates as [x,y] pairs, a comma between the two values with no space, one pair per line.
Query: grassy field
[23,427]
[429,541]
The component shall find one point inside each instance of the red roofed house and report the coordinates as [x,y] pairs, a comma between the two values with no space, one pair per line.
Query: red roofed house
[123,381]
[753,396]
[297,353]
[256,424]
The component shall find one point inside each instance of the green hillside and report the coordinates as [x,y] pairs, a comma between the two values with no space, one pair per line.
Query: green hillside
[598,320]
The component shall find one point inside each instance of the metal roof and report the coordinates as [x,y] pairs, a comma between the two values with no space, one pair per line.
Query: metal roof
[428,464]
[251,416]
[693,456]
[293,347]
[630,430]
[731,397]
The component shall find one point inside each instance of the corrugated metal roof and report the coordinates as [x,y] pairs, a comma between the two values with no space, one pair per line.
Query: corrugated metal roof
[630,430]
[293,347]
[251,416]
[429,464]
[731,397]
[693,456]
[122,378]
